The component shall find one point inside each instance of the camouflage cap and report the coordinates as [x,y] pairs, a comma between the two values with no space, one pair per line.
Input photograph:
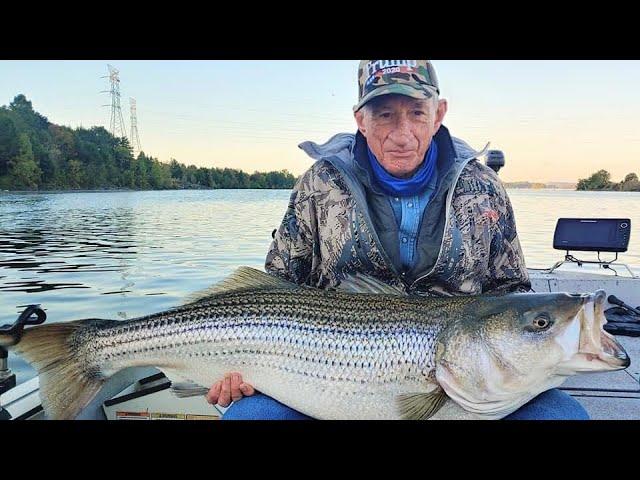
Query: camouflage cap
[414,78]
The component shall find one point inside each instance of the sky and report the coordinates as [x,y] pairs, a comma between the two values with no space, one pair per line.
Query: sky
[557,120]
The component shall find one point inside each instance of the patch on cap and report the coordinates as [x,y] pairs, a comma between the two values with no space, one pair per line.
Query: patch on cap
[416,78]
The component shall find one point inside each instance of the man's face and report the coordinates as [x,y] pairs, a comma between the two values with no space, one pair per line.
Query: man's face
[399,129]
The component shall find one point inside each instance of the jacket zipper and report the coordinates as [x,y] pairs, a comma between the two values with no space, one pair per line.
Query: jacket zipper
[447,211]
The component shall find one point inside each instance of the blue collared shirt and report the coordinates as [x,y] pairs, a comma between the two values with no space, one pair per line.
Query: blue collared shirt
[409,212]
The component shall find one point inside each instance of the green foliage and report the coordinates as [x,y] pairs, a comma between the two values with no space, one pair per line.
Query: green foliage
[37,154]
[598,181]
[23,170]
[8,140]
[601,181]
[629,184]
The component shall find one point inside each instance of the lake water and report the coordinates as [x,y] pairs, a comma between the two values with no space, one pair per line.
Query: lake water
[125,254]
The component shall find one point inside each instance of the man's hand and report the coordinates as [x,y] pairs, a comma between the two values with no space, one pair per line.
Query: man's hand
[231,388]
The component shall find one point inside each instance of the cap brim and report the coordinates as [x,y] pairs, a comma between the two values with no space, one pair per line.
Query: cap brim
[399,89]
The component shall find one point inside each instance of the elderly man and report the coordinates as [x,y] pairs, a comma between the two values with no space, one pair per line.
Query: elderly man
[402,201]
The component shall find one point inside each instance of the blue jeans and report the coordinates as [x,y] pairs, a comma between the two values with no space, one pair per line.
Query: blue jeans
[550,405]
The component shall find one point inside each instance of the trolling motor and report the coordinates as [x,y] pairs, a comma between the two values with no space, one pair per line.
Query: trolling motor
[495,160]
[32,315]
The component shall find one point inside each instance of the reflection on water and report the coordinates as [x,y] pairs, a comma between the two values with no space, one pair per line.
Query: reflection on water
[124,254]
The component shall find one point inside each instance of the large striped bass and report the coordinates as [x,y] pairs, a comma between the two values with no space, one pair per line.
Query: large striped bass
[365,352]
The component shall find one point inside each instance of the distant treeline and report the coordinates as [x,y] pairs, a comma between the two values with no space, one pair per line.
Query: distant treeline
[38,155]
[601,180]
[525,185]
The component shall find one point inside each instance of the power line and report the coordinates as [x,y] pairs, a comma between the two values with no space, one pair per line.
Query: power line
[135,140]
[116,125]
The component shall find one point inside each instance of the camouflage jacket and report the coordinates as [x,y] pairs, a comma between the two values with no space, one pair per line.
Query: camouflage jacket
[328,232]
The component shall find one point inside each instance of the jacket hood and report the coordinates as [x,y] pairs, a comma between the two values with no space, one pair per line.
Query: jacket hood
[341,147]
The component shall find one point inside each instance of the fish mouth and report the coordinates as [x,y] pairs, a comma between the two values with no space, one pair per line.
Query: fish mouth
[613,352]
[598,350]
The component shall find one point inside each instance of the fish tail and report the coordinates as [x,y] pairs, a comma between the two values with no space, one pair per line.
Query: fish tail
[6,340]
[67,383]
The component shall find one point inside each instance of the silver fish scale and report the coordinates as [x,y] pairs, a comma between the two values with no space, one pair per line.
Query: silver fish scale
[302,334]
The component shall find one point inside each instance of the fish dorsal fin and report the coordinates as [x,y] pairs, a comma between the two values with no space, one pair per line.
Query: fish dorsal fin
[244,278]
[367,284]
[421,406]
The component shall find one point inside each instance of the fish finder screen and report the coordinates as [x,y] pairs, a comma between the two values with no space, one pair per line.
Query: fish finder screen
[604,235]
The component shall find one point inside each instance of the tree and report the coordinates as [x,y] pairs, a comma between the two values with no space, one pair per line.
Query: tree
[23,169]
[598,181]
[157,176]
[23,108]
[630,183]
[8,141]
[75,174]
[141,173]
[177,169]
[35,153]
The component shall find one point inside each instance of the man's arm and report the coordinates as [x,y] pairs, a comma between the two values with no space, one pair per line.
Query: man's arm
[291,253]
[507,268]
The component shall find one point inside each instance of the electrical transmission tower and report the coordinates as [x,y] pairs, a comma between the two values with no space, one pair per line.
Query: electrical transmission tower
[117,124]
[135,140]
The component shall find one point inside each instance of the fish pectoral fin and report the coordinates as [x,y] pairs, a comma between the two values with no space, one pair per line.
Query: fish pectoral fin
[188,389]
[181,386]
[421,406]
[244,278]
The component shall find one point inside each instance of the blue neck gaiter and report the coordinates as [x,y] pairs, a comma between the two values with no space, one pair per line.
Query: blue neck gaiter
[404,187]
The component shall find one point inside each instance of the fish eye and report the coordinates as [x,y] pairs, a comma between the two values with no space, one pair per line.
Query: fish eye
[541,322]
